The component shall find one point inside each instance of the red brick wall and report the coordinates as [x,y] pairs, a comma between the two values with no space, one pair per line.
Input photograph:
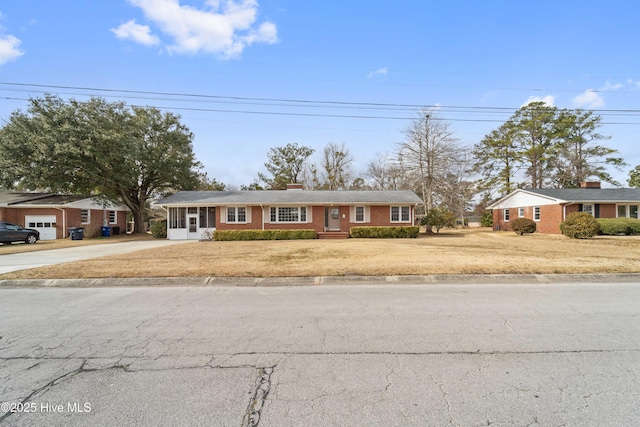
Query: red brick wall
[17,216]
[379,216]
[550,218]
[608,211]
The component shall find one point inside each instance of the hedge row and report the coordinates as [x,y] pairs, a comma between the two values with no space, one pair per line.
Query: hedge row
[263,234]
[385,232]
[613,226]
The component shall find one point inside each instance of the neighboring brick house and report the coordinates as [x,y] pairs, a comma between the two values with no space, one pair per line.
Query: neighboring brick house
[53,214]
[192,213]
[550,206]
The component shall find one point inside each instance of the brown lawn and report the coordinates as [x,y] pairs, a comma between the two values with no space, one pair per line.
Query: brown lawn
[451,252]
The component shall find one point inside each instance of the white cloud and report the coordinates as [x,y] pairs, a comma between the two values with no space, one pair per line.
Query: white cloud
[588,99]
[548,100]
[379,72]
[608,86]
[138,33]
[9,49]
[222,27]
[635,84]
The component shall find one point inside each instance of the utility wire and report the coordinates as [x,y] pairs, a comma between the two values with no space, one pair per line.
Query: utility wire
[298,103]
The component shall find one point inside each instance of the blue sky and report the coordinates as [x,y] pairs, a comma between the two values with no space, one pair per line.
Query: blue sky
[247,60]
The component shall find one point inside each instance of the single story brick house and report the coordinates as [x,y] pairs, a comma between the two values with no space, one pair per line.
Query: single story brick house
[550,206]
[191,214]
[53,214]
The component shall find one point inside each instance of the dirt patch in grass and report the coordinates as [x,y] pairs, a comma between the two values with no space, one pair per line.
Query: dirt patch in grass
[454,252]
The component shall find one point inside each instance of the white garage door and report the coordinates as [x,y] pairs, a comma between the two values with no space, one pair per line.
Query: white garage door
[45,224]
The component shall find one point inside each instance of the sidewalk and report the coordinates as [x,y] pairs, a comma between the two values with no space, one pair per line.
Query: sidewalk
[440,279]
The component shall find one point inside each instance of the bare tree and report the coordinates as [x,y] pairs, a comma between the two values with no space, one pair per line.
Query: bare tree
[428,154]
[335,173]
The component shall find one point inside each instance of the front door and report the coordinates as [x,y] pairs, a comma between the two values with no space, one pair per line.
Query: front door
[192,224]
[332,218]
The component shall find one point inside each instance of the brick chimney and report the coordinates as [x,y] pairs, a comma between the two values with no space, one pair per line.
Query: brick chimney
[593,184]
[295,186]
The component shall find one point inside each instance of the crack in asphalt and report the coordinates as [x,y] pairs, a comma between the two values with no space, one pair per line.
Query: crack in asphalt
[263,386]
[46,387]
[478,352]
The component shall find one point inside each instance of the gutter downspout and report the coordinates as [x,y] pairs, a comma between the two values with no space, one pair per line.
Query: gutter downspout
[64,221]
[262,207]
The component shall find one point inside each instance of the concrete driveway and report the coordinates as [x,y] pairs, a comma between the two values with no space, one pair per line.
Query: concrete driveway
[27,260]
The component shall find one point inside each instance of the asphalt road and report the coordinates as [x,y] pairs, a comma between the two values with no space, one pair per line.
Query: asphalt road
[359,355]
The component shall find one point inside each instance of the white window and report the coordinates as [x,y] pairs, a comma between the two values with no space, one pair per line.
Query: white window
[536,213]
[506,215]
[359,213]
[400,214]
[177,217]
[237,214]
[520,212]
[85,216]
[288,214]
[627,211]
[113,217]
[588,209]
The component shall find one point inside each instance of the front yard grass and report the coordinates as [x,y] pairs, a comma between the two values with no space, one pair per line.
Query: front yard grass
[469,251]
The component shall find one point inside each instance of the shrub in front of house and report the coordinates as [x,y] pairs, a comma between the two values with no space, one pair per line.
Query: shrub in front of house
[384,232]
[159,229]
[617,226]
[487,219]
[580,225]
[523,226]
[221,235]
[439,218]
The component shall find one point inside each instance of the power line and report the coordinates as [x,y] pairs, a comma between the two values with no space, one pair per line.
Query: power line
[297,103]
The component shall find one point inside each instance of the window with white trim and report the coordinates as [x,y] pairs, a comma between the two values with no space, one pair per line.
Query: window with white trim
[520,212]
[506,215]
[536,213]
[588,209]
[177,217]
[627,211]
[113,217]
[237,214]
[288,214]
[400,214]
[85,216]
[359,213]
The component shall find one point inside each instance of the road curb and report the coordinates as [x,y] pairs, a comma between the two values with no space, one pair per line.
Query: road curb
[435,279]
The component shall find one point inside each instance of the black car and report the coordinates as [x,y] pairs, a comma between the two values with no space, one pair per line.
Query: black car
[14,233]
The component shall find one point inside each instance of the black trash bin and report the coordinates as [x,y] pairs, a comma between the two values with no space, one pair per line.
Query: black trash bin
[76,233]
[115,231]
[106,231]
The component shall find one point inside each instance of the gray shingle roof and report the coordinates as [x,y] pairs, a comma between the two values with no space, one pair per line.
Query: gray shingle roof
[590,194]
[283,197]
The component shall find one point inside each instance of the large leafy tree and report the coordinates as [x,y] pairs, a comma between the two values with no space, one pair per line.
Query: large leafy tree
[286,165]
[546,146]
[497,159]
[579,156]
[536,135]
[114,152]
[634,177]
